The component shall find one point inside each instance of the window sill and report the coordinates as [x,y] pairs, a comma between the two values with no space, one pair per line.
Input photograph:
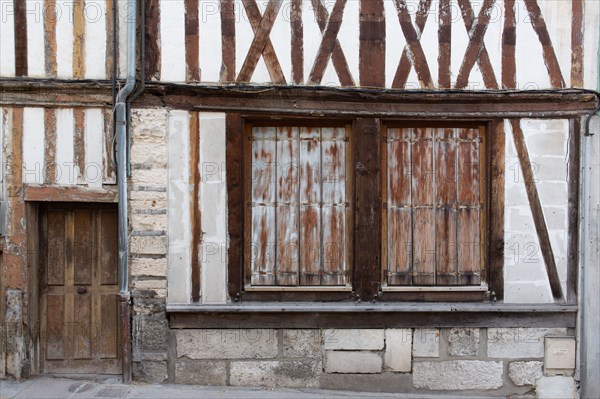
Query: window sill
[368,315]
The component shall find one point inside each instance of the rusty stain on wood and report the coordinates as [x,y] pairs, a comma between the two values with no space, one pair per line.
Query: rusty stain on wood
[20,24]
[78,39]
[268,52]
[445,44]
[406,61]
[50,18]
[228,20]
[509,41]
[78,142]
[192,43]
[577,44]
[417,56]
[288,211]
[483,59]
[50,145]
[476,49]
[372,43]
[330,47]
[235,201]
[446,195]
[297,41]
[195,215]
[573,209]
[152,39]
[536,210]
[539,25]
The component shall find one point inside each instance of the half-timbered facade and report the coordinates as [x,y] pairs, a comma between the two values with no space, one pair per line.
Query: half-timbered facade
[390,195]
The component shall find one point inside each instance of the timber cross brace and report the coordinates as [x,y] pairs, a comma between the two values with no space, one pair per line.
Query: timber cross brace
[372,34]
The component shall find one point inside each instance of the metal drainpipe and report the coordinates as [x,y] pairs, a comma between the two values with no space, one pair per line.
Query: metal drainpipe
[589,320]
[121,135]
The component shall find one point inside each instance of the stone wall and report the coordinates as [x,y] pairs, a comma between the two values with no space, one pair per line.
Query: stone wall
[148,243]
[497,361]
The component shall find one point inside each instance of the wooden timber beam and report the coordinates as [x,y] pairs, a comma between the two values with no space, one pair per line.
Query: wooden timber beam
[69,194]
[308,101]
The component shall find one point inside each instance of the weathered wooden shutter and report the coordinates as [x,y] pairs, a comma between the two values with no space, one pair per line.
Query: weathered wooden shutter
[433,206]
[299,208]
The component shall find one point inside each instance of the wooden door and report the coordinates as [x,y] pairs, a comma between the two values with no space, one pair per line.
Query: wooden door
[79,256]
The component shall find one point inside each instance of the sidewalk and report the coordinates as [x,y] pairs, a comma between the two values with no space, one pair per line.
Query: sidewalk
[109,387]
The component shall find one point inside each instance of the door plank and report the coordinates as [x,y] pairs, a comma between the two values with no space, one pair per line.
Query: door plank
[56,248]
[109,254]
[55,327]
[423,215]
[263,206]
[399,201]
[108,331]
[445,213]
[468,229]
[83,247]
[288,215]
[82,326]
[333,216]
[310,211]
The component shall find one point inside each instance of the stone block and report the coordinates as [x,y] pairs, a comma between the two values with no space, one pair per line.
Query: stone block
[150,335]
[150,150]
[525,373]
[150,372]
[458,375]
[398,350]
[360,339]
[149,267]
[148,222]
[556,388]
[157,283]
[302,343]
[426,342]
[353,362]
[518,343]
[227,344]
[463,342]
[282,373]
[201,372]
[156,176]
[148,245]
[151,307]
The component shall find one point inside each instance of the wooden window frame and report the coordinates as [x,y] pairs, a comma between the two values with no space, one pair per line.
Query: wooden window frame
[484,195]
[366,264]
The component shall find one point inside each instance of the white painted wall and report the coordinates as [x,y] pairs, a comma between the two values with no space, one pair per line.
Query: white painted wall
[33,145]
[525,277]
[94,145]
[35,39]
[172,40]
[213,207]
[65,172]
[179,257]
[7,38]
[95,44]
[64,39]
